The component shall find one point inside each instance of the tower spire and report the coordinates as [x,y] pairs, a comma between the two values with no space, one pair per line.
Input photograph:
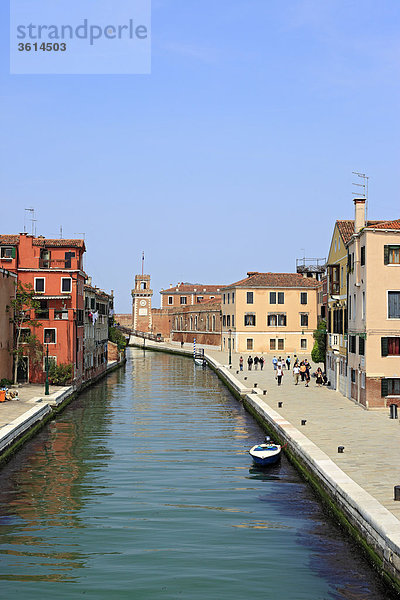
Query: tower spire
[142,262]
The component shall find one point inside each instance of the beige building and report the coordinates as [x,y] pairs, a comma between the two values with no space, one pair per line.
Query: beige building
[374,311]
[8,286]
[270,312]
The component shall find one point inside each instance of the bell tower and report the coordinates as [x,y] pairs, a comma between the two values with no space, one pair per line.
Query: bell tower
[141,303]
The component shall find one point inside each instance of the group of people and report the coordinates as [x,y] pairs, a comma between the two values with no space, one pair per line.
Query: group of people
[252,361]
[301,369]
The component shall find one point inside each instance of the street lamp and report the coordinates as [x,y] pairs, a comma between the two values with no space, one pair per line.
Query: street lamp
[230,347]
[46,386]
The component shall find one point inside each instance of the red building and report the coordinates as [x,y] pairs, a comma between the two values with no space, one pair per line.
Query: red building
[54,268]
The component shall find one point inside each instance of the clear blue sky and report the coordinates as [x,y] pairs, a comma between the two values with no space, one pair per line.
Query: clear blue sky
[235,153]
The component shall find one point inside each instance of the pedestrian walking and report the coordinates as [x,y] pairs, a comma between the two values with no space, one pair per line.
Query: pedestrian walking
[249,363]
[296,373]
[302,370]
[241,363]
[261,361]
[319,377]
[288,363]
[256,363]
[307,374]
[279,375]
[279,363]
[275,362]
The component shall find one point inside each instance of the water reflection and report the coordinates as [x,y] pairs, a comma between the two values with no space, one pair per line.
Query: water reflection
[144,489]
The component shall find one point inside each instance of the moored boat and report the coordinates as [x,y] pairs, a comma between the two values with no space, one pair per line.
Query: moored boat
[265,454]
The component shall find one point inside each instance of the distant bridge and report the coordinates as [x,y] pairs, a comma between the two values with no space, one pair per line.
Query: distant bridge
[141,334]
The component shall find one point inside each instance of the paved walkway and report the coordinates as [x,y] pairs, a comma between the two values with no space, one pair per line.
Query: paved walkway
[371,439]
[28,395]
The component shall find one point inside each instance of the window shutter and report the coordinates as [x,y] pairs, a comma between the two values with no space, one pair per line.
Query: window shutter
[14,252]
[386,255]
[384,346]
[384,387]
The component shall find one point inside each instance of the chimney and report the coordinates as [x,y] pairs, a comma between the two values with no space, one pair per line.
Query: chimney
[359,218]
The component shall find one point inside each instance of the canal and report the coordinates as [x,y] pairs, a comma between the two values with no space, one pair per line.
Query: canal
[143,489]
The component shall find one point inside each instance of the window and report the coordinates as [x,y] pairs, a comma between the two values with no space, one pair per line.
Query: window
[272,297]
[39,284]
[361,346]
[228,320]
[249,343]
[68,256]
[363,306]
[25,333]
[250,319]
[281,298]
[170,299]
[49,336]
[224,298]
[362,257]
[52,361]
[390,387]
[8,253]
[200,298]
[352,344]
[349,308]
[353,375]
[390,346]
[304,320]
[183,299]
[233,320]
[213,323]
[303,298]
[208,323]
[223,320]
[281,344]
[233,297]
[229,297]
[392,255]
[195,323]
[303,343]
[250,298]
[394,305]
[334,283]
[66,284]
[42,312]
[354,307]
[276,320]
[272,344]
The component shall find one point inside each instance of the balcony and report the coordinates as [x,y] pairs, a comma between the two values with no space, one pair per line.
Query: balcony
[59,263]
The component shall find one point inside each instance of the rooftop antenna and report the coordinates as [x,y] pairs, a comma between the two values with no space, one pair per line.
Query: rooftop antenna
[142,262]
[363,193]
[30,218]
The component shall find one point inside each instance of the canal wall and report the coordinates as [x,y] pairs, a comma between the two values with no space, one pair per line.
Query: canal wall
[376,529]
[24,427]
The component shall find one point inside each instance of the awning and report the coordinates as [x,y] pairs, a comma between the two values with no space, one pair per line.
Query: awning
[44,297]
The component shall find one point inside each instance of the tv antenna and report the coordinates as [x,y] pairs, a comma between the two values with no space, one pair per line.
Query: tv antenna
[30,217]
[363,192]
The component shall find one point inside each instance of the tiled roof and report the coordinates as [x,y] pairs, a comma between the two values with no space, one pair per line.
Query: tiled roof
[193,288]
[9,239]
[346,227]
[57,243]
[385,224]
[41,241]
[276,280]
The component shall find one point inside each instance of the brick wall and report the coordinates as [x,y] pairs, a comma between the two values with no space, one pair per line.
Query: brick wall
[124,320]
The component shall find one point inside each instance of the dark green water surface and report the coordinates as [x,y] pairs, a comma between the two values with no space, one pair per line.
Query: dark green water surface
[143,489]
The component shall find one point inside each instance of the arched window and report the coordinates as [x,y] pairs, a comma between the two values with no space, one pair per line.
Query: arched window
[213,323]
[208,323]
[195,323]
[191,323]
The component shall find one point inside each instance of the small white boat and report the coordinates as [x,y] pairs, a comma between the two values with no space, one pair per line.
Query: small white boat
[265,454]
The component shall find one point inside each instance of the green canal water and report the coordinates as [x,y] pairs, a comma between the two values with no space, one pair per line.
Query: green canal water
[143,489]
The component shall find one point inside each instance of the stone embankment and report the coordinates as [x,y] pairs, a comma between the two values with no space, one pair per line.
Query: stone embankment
[356,485]
[21,419]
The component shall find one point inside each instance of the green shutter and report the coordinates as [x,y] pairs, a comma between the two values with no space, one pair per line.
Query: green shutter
[14,252]
[384,387]
[384,346]
[386,255]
